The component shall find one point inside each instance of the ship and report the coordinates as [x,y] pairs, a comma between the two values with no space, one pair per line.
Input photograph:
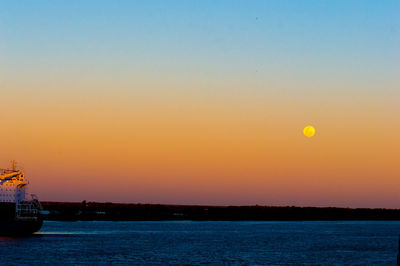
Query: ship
[20,212]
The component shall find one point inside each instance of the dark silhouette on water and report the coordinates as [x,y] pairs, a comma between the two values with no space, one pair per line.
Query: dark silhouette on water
[155,212]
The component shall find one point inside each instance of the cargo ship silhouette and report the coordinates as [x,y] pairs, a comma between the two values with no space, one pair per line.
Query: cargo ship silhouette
[19,211]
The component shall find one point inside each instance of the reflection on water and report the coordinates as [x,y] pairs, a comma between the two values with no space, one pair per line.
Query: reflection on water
[205,243]
[60,233]
[7,239]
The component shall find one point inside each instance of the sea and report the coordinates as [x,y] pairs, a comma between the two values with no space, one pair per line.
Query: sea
[206,243]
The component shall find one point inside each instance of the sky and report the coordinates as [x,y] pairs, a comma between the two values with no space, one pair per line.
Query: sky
[203,102]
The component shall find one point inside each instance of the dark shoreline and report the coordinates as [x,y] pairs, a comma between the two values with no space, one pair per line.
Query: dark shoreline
[95,211]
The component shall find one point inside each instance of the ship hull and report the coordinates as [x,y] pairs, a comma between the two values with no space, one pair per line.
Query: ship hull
[19,227]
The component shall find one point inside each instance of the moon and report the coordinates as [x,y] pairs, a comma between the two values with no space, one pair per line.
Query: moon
[309,131]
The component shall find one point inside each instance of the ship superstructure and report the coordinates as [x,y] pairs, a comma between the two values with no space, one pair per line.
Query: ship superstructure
[19,211]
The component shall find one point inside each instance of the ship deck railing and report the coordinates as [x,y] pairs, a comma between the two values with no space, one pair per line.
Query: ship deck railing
[26,209]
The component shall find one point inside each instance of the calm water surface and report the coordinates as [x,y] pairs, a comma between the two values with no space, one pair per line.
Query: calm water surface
[194,243]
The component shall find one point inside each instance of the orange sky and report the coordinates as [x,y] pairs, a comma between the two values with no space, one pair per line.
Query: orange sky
[202,151]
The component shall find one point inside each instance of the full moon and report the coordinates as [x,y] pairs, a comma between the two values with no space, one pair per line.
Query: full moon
[309,131]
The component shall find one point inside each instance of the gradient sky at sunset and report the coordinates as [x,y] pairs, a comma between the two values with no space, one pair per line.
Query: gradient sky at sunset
[203,102]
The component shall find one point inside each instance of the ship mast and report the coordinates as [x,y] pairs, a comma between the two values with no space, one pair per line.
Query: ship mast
[13,165]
